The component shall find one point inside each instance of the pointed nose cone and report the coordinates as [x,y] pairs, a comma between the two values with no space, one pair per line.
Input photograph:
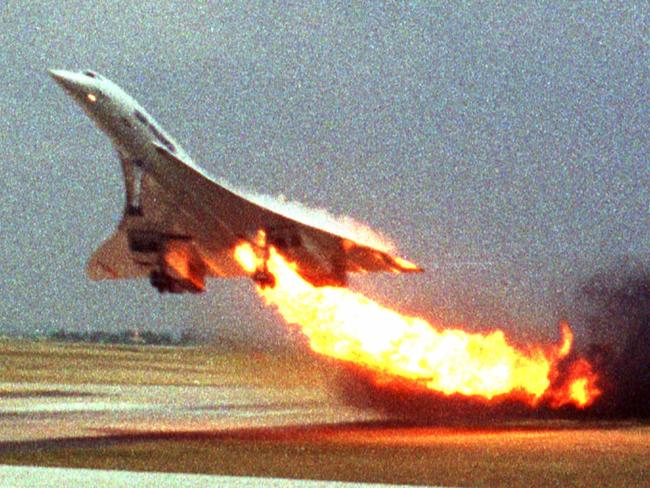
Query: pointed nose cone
[57,74]
[66,80]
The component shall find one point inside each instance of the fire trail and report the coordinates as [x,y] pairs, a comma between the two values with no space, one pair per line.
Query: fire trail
[348,326]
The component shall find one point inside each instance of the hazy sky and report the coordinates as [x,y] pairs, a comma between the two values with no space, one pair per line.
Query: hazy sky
[502,147]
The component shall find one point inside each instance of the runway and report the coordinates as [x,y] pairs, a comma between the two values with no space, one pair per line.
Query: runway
[53,415]
[185,413]
[38,411]
[35,477]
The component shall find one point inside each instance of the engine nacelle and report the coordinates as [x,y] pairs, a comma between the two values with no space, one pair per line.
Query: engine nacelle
[179,267]
[335,277]
[180,260]
[165,283]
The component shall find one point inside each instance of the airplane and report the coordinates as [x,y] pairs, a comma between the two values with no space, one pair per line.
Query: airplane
[180,226]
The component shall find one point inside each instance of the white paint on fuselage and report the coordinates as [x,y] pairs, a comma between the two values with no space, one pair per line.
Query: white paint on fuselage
[114,112]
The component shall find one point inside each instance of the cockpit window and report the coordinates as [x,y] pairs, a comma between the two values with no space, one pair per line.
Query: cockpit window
[91,74]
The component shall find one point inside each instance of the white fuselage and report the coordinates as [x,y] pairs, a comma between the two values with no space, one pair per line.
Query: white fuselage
[130,127]
[135,135]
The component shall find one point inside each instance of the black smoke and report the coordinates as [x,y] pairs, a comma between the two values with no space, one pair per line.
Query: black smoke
[615,304]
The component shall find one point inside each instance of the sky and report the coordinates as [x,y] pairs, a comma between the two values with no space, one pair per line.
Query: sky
[502,146]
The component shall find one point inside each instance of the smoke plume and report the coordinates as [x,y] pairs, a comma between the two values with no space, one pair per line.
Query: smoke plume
[616,307]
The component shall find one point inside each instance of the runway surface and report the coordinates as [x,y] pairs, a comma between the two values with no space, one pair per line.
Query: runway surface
[36,411]
[49,414]
[35,477]
[251,419]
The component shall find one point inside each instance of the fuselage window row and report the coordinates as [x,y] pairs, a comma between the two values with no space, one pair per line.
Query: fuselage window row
[155,131]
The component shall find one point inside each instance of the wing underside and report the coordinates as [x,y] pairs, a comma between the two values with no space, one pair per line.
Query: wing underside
[163,236]
[190,226]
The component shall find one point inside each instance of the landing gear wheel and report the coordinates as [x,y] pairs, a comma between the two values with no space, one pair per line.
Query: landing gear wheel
[264,279]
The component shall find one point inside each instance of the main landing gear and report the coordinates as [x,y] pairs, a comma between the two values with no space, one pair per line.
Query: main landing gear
[262,276]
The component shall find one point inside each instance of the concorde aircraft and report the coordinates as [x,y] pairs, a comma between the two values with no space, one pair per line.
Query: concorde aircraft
[180,225]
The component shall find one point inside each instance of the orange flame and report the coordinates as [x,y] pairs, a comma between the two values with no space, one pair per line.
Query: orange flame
[346,325]
[579,387]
